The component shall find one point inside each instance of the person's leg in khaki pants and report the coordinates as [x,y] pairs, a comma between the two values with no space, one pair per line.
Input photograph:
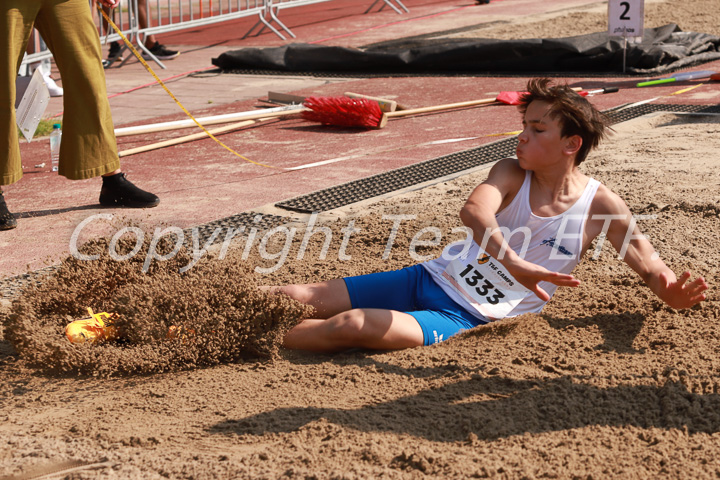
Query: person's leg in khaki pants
[16,17]
[88,148]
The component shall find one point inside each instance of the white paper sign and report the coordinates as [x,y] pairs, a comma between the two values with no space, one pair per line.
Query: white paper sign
[626,18]
[482,281]
[32,105]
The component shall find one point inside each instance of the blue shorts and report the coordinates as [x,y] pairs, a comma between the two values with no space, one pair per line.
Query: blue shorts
[413,291]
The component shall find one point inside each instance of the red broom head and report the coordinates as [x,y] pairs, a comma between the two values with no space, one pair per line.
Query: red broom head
[343,111]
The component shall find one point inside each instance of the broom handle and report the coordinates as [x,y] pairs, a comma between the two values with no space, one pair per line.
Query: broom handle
[177,125]
[186,138]
[437,108]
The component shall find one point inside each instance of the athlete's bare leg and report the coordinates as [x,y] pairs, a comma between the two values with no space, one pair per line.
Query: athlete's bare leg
[358,328]
[338,326]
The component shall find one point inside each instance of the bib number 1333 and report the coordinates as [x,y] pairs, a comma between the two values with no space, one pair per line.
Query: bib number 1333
[482,285]
[482,281]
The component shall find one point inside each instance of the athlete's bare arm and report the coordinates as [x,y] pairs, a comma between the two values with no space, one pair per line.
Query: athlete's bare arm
[635,249]
[478,213]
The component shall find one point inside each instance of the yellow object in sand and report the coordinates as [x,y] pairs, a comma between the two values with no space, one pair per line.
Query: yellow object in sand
[97,328]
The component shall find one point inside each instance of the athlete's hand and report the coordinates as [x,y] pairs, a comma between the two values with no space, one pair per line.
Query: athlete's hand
[680,294]
[530,274]
[110,3]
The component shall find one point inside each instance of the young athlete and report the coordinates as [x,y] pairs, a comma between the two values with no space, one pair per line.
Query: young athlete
[532,220]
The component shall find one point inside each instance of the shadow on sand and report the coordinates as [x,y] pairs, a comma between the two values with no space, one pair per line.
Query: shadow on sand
[498,407]
[492,406]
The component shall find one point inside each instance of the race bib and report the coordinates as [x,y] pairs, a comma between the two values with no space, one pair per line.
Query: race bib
[486,285]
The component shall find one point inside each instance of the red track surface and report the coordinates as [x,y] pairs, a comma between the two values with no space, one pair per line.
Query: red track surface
[200,182]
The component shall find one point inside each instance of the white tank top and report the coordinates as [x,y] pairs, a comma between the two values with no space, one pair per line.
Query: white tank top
[552,242]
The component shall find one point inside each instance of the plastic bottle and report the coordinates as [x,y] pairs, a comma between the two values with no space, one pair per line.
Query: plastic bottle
[55,138]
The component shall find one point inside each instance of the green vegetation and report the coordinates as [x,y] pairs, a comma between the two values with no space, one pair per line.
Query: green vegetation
[44,127]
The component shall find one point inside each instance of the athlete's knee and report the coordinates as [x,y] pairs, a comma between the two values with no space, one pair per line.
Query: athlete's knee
[296,292]
[300,293]
[348,325]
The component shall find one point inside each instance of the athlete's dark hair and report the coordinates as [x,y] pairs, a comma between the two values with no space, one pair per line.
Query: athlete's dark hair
[574,113]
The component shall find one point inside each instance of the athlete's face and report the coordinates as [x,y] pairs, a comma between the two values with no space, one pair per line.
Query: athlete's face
[540,143]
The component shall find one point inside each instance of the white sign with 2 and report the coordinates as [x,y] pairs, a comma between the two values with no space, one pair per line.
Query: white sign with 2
[626,18]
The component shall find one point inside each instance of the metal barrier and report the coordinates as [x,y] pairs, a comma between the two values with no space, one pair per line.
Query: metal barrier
[270,13]
[162,16]
[390,4]
[39,48]
[272,8]
[122,16]
[172,15]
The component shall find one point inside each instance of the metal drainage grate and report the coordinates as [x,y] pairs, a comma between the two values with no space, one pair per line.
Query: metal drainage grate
[619,116]
[12,286]
[240,223]
[393,180]
[369,187]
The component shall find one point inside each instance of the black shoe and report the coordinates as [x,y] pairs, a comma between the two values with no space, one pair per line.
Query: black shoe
[118,191]
[115,52]
[7,220]
[161,52]
[114,55]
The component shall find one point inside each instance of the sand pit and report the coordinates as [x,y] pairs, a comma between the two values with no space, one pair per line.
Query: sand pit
[608,382]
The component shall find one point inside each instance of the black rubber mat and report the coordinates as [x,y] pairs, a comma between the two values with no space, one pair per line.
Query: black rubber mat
[367,74]
[358,190]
